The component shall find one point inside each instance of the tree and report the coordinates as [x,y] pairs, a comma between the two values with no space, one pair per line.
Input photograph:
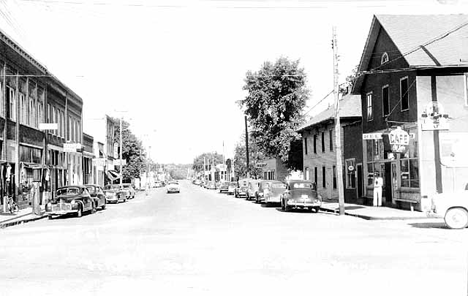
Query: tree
[208,158]
[277,94]
[240,159]
[132,151]
[347,86]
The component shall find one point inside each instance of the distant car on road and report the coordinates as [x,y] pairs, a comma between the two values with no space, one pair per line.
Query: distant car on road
[129,187]
[211,185]
[301,194]
[173,187]
[242,188]
[231,188]
[70,199]
[272,195]
[223,187]
[114,194]
[158,184]
[253,188]
[98,195]
[453,207]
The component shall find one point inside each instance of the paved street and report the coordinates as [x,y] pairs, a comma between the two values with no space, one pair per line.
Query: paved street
[200,242]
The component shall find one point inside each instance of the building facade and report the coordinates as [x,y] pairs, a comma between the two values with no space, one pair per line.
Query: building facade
[33,160]
[415,106]
[319,149]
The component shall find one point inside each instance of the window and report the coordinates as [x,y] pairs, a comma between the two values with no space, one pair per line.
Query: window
[384,58]
[315,175]
[369,107]
[385,101]
[334,177]
[48,113]
[40,113]
[11,103]
[305,145]
[2,113]
[315,144]
[409,163]
[54,119]
[307,174]
[324,177]
[330,134]
[404,97]
[323,141]
[31,112]
[23,108]
[350,173]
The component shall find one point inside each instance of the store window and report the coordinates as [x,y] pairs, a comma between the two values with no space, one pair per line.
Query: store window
[334,177]
[375,153]
[409,163]
[324,177]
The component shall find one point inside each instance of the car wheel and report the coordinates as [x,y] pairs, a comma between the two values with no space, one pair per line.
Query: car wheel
[50,217]
[103,207]
[456,218]
[80,212]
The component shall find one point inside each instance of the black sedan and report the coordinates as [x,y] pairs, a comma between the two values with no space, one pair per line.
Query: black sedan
[98,195]
[74,199]
[301,194]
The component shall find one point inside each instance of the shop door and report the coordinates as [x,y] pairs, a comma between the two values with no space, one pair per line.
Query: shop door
[387,186]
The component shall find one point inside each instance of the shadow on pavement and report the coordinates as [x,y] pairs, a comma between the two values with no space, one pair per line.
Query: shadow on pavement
[440,225]
[353,207]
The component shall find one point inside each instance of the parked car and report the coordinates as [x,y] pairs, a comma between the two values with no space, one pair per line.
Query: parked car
[70,199]
[211,185]
[301,194]
[197,182]
[98,195]
[158,184]
[453,207]
[131,190]
[272,195]
[172,187]
[114,194]
[242,188]
[262,186]
[253,188]
[231,188]
[224,187]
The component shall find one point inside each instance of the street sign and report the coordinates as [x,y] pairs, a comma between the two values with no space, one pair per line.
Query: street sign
[71,147]
[117,162]
[48,126]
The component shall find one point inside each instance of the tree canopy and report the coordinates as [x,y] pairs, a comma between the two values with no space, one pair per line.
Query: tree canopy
[240,159]
[207,158]
[277,94]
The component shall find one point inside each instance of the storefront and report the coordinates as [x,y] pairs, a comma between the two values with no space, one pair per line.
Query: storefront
[396,160]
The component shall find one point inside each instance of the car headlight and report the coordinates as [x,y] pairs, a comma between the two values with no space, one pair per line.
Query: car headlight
[73,202]
[48,206]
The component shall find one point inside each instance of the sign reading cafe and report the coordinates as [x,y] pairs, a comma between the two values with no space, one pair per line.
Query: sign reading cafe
[399,140]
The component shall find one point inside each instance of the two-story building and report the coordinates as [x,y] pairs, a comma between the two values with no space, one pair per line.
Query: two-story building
[319,149]
[38,114]
[414,99]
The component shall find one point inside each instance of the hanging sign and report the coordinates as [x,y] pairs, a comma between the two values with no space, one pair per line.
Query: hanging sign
[434,117]
[399,140]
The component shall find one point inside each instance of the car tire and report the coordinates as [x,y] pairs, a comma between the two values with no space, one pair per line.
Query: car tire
[456,218]
[50,217]
[80,212]
[103,207]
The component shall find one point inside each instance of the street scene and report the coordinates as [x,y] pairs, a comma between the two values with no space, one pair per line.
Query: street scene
[234,147]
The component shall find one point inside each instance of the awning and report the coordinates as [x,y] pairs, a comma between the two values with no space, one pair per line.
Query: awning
[112,175]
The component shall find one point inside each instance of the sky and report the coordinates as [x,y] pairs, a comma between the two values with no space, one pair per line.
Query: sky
[175,69]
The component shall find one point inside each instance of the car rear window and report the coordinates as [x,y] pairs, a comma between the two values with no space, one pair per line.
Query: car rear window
[302,185]
[277,185]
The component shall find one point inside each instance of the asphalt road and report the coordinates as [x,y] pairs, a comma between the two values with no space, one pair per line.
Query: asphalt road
[200,242]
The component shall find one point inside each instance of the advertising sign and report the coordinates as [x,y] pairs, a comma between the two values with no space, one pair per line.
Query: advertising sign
[71,147]
[399,140]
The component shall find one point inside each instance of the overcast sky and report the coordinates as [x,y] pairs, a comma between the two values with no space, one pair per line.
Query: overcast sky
[177,67]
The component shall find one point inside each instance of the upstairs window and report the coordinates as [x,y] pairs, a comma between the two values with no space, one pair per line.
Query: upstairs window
[331,139]
[384,58]
[305,145]
[323,141]
[369,107]
[404,97]
[385,101]
[315,144]
[11,99]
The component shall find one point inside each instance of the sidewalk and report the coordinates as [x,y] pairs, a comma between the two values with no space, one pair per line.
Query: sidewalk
[23,216]
[373,213]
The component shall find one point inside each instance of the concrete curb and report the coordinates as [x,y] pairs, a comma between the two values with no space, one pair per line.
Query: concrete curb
[368,217]
[13,223]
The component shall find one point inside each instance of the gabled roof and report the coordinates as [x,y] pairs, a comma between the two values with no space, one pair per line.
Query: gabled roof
[350,106]
[424,41]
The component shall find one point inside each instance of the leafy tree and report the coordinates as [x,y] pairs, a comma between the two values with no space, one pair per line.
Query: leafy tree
[348,85]
[208,158]
[240,159]
[132,151]
[277,94]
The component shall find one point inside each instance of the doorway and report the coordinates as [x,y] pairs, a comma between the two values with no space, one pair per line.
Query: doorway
[360,183]
[387,190]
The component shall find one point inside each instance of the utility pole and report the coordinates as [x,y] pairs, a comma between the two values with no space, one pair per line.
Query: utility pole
[247,146]
[120,151]
[339,163]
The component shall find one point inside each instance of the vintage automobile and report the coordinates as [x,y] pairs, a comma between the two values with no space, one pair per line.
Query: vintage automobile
[253,188]
[272,195]
[98,195]
[173,187]
[262,186]
[70,199]
[114,194]
[231,188]
[242,188]
[197,182]
[301,194]
[131,190]
[452,206]
[211,185]
[223,187]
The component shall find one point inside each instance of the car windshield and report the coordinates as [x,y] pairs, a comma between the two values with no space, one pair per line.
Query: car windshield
[69,191]
[302,185]
[127,185]
[232,184]
[91,189]
[278,185]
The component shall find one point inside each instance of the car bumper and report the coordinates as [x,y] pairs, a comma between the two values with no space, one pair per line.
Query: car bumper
[304,204]
[272,199]
[63,209]
[172,190]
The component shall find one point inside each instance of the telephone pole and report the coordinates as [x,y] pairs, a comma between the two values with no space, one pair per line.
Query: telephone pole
[339,163]
[247,146]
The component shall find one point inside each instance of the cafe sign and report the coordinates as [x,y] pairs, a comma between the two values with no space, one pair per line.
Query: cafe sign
[399,140]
